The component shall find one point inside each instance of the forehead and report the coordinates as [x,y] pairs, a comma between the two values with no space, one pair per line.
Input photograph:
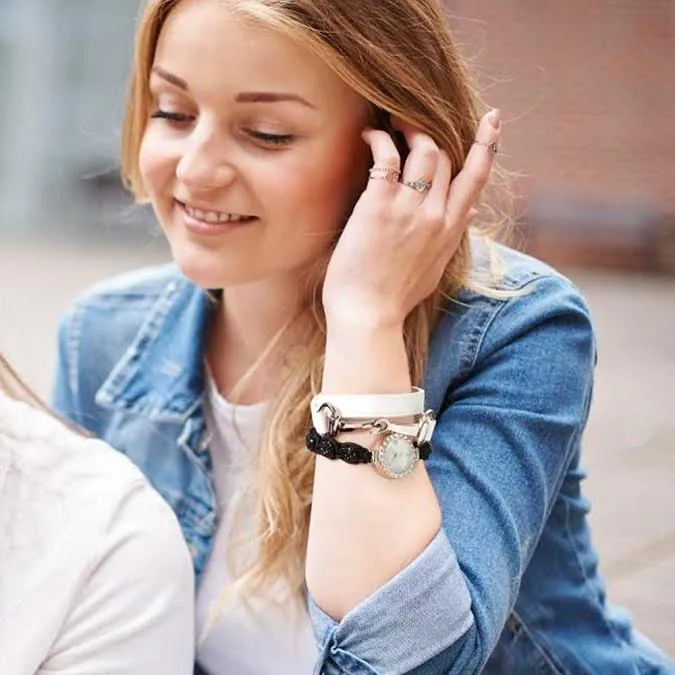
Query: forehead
[220,54]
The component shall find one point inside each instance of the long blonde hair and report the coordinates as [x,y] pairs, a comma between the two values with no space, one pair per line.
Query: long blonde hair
[13,386]
[399,55]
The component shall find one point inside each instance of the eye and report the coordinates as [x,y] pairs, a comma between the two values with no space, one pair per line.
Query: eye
[277,140]
[173,117]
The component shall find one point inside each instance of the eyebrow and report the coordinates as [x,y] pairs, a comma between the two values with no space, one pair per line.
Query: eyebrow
[170,77]
[270,97]
[243,97]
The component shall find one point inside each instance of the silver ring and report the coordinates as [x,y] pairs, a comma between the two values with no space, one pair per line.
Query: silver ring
[420,185]
[493,147]
[391,175]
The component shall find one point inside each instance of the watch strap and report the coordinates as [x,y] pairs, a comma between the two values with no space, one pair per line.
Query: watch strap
[371,406]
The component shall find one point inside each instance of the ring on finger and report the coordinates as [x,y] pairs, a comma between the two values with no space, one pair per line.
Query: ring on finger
[384,173]
[420,185]
[493,147]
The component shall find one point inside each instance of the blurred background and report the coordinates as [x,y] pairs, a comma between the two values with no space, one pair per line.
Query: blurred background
[587,92]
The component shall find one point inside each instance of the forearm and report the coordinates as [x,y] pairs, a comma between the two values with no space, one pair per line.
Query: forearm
[365,528]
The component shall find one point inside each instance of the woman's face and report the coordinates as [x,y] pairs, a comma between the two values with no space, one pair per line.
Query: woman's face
[253,155]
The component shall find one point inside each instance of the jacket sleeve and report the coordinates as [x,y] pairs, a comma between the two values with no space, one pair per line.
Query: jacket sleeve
[502,446]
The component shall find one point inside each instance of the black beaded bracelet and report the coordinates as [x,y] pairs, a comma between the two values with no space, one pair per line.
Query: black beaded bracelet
[352,453]
[328,447]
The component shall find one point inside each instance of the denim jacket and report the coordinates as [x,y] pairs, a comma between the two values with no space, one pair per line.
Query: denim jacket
[510,584]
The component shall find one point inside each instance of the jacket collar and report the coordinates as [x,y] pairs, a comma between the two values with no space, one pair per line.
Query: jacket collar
[161,374]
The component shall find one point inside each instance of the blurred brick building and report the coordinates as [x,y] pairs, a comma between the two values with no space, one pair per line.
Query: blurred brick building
[587,91]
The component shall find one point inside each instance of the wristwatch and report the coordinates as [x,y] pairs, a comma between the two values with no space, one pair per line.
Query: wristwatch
[395,455]
[397,449]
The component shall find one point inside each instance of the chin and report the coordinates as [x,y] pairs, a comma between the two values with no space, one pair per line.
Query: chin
[211,269]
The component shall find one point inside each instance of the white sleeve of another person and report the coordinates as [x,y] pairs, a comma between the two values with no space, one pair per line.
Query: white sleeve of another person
[135,611]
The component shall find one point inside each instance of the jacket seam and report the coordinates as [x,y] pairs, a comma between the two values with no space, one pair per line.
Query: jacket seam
[497,306]
[114,384]
[73,336]
[572,445]
[574,440]
[537,643]
[140,300]
[145,283]
[593,598]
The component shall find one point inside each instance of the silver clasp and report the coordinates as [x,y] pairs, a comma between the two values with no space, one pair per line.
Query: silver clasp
[332,420]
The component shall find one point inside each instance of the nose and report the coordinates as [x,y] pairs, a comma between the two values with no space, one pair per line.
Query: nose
[203,164]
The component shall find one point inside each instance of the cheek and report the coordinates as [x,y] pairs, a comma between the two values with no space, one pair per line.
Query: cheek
[156,162]
[319,188]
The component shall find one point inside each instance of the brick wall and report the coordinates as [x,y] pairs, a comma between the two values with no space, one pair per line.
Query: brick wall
[587,90]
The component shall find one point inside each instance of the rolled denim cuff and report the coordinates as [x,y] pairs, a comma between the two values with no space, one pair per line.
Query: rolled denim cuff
[416,615]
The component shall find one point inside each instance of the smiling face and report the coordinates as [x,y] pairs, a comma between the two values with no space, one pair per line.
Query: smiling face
[253,156]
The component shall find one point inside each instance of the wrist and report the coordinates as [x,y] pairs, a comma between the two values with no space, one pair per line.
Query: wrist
[357,320]
[365,356]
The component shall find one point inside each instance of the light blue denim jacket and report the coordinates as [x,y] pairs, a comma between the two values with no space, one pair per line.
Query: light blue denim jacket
[510,584]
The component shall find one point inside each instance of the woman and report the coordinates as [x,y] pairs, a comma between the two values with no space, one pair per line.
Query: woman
[94,575]
[314,165]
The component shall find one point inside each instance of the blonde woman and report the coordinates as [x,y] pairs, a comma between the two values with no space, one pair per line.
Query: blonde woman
[94,575]
[314,165]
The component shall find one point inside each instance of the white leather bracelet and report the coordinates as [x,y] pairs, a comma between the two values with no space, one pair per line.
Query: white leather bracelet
[370,406]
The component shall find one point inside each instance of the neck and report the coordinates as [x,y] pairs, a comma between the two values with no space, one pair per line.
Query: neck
[249,337]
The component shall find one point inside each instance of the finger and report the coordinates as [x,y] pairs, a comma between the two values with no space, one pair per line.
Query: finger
[454,234]
[440,185]
[466,188]
[386,160]
[422,160]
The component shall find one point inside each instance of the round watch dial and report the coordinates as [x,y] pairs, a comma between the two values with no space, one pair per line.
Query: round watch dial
[396,456]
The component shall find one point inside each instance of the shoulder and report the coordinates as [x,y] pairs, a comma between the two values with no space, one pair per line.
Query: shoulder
[530,293]
[104,320]
[525,290]
[81,526]
[126,299]
[506,269]
[77,500]
[517,313]
[48,463]
[145,283]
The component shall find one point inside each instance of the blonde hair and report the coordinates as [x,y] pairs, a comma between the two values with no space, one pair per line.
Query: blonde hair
[399,55]
[13,386]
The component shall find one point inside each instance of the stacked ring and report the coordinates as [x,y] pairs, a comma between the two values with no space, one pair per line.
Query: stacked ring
[391,175]
[421,185]
[490,146]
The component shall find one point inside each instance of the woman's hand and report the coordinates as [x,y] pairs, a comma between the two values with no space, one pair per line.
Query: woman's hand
[394,248]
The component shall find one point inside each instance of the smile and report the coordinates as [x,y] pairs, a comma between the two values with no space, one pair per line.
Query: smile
[214,217]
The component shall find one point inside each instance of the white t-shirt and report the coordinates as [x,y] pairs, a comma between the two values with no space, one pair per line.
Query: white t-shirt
[262,639]
[95,576]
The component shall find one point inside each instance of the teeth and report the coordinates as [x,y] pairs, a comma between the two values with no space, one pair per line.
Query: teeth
[213,216]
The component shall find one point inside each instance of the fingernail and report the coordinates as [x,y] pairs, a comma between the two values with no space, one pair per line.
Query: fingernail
[472,214]
[494,117]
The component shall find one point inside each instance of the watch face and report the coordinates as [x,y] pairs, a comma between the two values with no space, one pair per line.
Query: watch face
[396,456]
